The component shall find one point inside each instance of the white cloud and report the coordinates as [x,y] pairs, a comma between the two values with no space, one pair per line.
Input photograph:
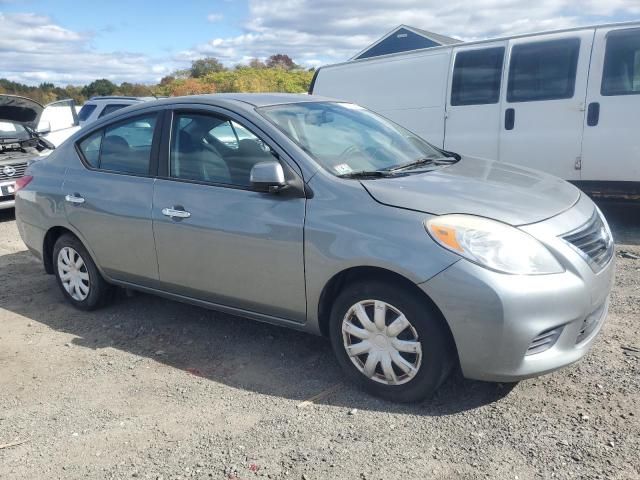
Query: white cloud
[313,31]
[34,49]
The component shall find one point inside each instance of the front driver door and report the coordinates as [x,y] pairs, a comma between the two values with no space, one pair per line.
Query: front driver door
[231,246]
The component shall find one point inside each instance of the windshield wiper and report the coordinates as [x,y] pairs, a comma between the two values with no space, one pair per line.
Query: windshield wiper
[423,161]
[366,173]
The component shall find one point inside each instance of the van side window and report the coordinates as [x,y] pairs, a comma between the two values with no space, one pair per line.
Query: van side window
[621,73]
[476,77]
[543,70]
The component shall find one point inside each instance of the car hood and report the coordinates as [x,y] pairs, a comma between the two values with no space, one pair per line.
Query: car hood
[501,191]
[20,110]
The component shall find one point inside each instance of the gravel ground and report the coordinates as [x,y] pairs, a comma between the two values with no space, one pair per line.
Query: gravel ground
[149,388]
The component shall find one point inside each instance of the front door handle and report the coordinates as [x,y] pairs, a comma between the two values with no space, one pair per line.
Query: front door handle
[509,118]
[176,212]
[75,198]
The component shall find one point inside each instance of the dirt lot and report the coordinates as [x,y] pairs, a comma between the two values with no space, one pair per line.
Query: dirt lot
[149,388]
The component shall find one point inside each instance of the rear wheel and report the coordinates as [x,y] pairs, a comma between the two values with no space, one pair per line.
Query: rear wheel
[77,275]
[390,341]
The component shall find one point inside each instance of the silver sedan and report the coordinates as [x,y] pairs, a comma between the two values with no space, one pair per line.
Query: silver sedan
[326,217]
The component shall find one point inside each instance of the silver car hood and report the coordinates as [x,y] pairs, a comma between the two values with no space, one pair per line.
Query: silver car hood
[501,191]
[25,111]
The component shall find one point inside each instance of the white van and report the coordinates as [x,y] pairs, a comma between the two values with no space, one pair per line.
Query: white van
[565,102]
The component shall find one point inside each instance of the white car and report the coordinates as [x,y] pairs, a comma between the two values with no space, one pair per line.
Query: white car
[29,130]
[98,107]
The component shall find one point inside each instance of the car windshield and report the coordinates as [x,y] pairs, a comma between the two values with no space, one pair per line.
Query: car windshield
[345,138]
[13,130]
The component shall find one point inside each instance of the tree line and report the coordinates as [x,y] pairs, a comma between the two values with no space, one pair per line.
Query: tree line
[278,73]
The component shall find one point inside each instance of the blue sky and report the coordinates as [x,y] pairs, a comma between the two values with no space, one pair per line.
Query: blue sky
[66,41]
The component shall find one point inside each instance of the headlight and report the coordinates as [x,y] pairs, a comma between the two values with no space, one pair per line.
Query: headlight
[493,245]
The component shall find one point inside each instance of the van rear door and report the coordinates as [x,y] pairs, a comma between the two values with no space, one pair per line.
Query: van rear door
[472,123]
[544,101]
[611,146]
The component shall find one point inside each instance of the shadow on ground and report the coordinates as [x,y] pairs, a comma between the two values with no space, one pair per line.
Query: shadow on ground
[234,351]
[7,215]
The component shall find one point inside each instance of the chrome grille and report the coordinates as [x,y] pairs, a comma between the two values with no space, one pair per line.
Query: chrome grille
[544,341]
[593,242]
[19,171]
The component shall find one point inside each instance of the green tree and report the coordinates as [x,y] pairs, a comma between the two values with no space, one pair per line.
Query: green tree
[205,66]
[99,87]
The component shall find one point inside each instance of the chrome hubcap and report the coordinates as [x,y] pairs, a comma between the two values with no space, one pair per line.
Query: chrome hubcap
[381,342]
[73,274]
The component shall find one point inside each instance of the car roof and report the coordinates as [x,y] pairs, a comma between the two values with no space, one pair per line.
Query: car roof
[254,99]
[240,101]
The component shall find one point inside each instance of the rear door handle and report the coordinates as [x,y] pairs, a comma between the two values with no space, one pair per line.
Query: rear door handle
[176,212]
[509,118]
[593,114]
[75,198]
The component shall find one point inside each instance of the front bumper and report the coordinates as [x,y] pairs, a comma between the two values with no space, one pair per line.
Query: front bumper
[495,318]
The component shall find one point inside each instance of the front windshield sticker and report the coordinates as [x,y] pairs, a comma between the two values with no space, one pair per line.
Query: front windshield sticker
[342,169]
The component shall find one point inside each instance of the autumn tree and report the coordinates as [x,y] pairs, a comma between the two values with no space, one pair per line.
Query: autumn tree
[204,66]
[280,60]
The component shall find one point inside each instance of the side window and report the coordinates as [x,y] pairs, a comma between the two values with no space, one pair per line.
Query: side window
[543,70]
[126,146]
[111,108]
[621,74]
[476,77]
[90,148]
[208,148]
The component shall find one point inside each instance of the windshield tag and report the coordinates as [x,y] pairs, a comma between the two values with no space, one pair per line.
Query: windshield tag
[343,169]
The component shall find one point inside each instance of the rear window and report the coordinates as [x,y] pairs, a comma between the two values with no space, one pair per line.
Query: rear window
[476,77]
[86,111]
[543,70]
[621,75]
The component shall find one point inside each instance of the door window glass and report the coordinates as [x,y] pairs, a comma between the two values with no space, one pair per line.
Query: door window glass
[208,148]
[90,148]
[111,108]
[126,147]
[621,74]
[543,70]
[476,77]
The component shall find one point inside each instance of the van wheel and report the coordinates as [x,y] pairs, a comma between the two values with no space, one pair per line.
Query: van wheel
[390,341]
[77,275]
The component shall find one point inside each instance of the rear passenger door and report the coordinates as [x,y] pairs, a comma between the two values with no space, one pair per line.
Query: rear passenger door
[543,103]
[108,195]
[472,125]
[611,146]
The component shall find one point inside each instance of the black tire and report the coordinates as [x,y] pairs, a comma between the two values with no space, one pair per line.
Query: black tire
[438,349]
[99,290]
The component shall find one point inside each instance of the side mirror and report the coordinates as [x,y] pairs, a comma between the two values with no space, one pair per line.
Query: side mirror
[268,177]
[43,128]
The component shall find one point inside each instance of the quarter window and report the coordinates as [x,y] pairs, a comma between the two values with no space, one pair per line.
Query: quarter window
[86,111]
[208,148]
[124,147]
[543,70]
[621,75]
[476,77]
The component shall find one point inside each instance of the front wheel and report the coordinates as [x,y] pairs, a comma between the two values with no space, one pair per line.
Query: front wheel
[77,274]
[390,341]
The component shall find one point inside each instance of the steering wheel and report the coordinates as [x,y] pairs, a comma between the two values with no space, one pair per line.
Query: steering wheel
[350,150]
